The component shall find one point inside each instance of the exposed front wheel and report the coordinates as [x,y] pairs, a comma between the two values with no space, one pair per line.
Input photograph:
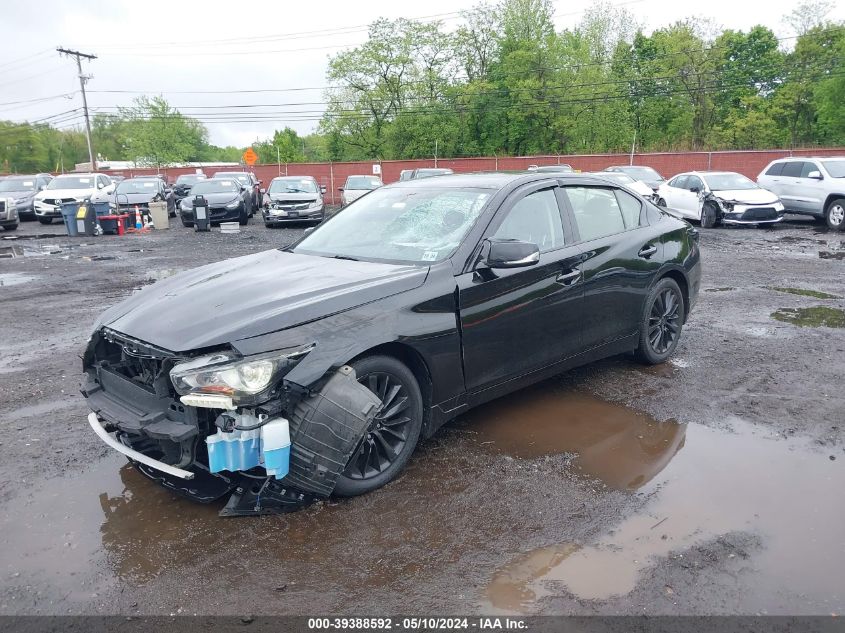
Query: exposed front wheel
[834,215]
[661,323]
[389,442]
[709,216]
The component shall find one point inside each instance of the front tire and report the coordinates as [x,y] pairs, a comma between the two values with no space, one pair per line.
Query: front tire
[834,215]
[187,224]
[709,216]
[387,446]
[661,322]
[45,220]
[11,227]
[661,203]
[243,218]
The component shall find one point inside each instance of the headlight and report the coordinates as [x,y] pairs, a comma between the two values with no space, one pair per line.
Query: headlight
[245,380]
[726,206]
[316,204]
[184,205]
[233,204]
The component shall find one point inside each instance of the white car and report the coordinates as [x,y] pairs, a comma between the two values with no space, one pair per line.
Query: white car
[810,186]
[68,188]
[637,186]
[719,197]
[357,186]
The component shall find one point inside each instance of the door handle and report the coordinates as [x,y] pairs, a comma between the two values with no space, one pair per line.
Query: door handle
[569,278]
[647,251]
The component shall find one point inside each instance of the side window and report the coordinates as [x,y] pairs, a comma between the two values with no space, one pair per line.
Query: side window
[631,209]
[793,169]
[775,169]
[596,212]
[694,182]
[679,182]
[808,167]
[536,219]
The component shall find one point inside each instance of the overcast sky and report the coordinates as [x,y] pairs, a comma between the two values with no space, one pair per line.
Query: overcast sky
[168,47]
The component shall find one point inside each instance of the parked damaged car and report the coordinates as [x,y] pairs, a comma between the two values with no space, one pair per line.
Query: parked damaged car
[21,191]
[311,370]
[183,184]
[720,197]
[293,199]
[139,193]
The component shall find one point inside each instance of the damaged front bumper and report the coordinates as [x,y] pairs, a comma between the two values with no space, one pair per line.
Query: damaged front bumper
[300,444]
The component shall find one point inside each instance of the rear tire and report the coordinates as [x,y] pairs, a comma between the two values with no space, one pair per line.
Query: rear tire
[11,227]
[386,448]
[709,216]
[45,220]
[834,215]
[661,322]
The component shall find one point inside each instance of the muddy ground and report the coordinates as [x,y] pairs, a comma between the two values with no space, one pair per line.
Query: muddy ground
[712,484]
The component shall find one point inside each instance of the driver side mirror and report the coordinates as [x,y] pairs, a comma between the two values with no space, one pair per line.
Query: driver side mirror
[496,253]
[815,175]
[340,188]
[695,189]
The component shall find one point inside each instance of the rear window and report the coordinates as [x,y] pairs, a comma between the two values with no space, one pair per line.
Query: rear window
[775,169]
[793,169]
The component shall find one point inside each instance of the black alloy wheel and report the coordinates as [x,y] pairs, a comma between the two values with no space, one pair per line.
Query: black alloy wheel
[387,445]
[663,319]
[709,216]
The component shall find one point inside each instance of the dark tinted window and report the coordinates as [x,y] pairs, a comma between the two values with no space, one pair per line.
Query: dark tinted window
[793,169]
[775,169]
[596,212]
[536,219]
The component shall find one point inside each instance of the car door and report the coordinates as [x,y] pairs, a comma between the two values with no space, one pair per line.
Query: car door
[672,189]
[689,198]
[621,253]
[790,183]
[771,179]
[810,191]
[514,321]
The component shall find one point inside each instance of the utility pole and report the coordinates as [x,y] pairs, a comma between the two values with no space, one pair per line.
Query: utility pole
[82,80]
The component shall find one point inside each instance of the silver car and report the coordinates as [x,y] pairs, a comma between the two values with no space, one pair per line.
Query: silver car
[809,186]
[357,186]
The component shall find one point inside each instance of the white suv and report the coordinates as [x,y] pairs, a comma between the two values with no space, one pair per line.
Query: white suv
[68,188]
[809,186]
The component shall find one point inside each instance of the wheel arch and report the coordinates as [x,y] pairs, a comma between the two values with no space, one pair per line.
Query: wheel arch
[681,279]
[418,366]
[830,198]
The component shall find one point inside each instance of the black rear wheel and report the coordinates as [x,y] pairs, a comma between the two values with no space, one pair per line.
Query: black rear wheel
[662,321]
[387,445]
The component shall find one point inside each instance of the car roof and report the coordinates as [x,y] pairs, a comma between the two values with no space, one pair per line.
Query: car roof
[708,173]
[495,180]
[299,177]
[786,159]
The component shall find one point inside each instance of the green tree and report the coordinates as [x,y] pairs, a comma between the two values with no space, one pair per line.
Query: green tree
[158,135]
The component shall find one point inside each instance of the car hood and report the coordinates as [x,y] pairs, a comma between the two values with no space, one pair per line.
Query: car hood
[65,193]
[215,199]
[253,295]
[17,194]
[747,196]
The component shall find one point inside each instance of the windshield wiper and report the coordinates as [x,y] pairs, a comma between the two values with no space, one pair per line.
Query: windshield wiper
[352,259]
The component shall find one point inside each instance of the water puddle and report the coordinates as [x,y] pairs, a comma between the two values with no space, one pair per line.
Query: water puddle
[15,279]
[746,481]
[622,447]
[817,316]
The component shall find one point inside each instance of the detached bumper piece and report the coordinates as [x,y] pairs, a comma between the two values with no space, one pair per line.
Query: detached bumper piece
[326,429]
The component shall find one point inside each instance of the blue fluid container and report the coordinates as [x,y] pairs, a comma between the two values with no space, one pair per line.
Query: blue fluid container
[238,450]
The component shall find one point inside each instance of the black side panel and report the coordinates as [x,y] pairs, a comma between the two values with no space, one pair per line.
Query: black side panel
[326,428]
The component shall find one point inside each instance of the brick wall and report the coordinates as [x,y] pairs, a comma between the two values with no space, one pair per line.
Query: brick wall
[333,175]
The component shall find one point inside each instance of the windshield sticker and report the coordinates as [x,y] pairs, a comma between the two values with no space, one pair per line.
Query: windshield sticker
[28,183]
[429,256]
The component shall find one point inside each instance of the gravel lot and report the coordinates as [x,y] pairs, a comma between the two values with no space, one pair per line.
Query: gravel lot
[711,484]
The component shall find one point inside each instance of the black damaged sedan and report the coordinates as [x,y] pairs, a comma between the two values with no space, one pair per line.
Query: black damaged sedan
[227,200]
[292,374]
